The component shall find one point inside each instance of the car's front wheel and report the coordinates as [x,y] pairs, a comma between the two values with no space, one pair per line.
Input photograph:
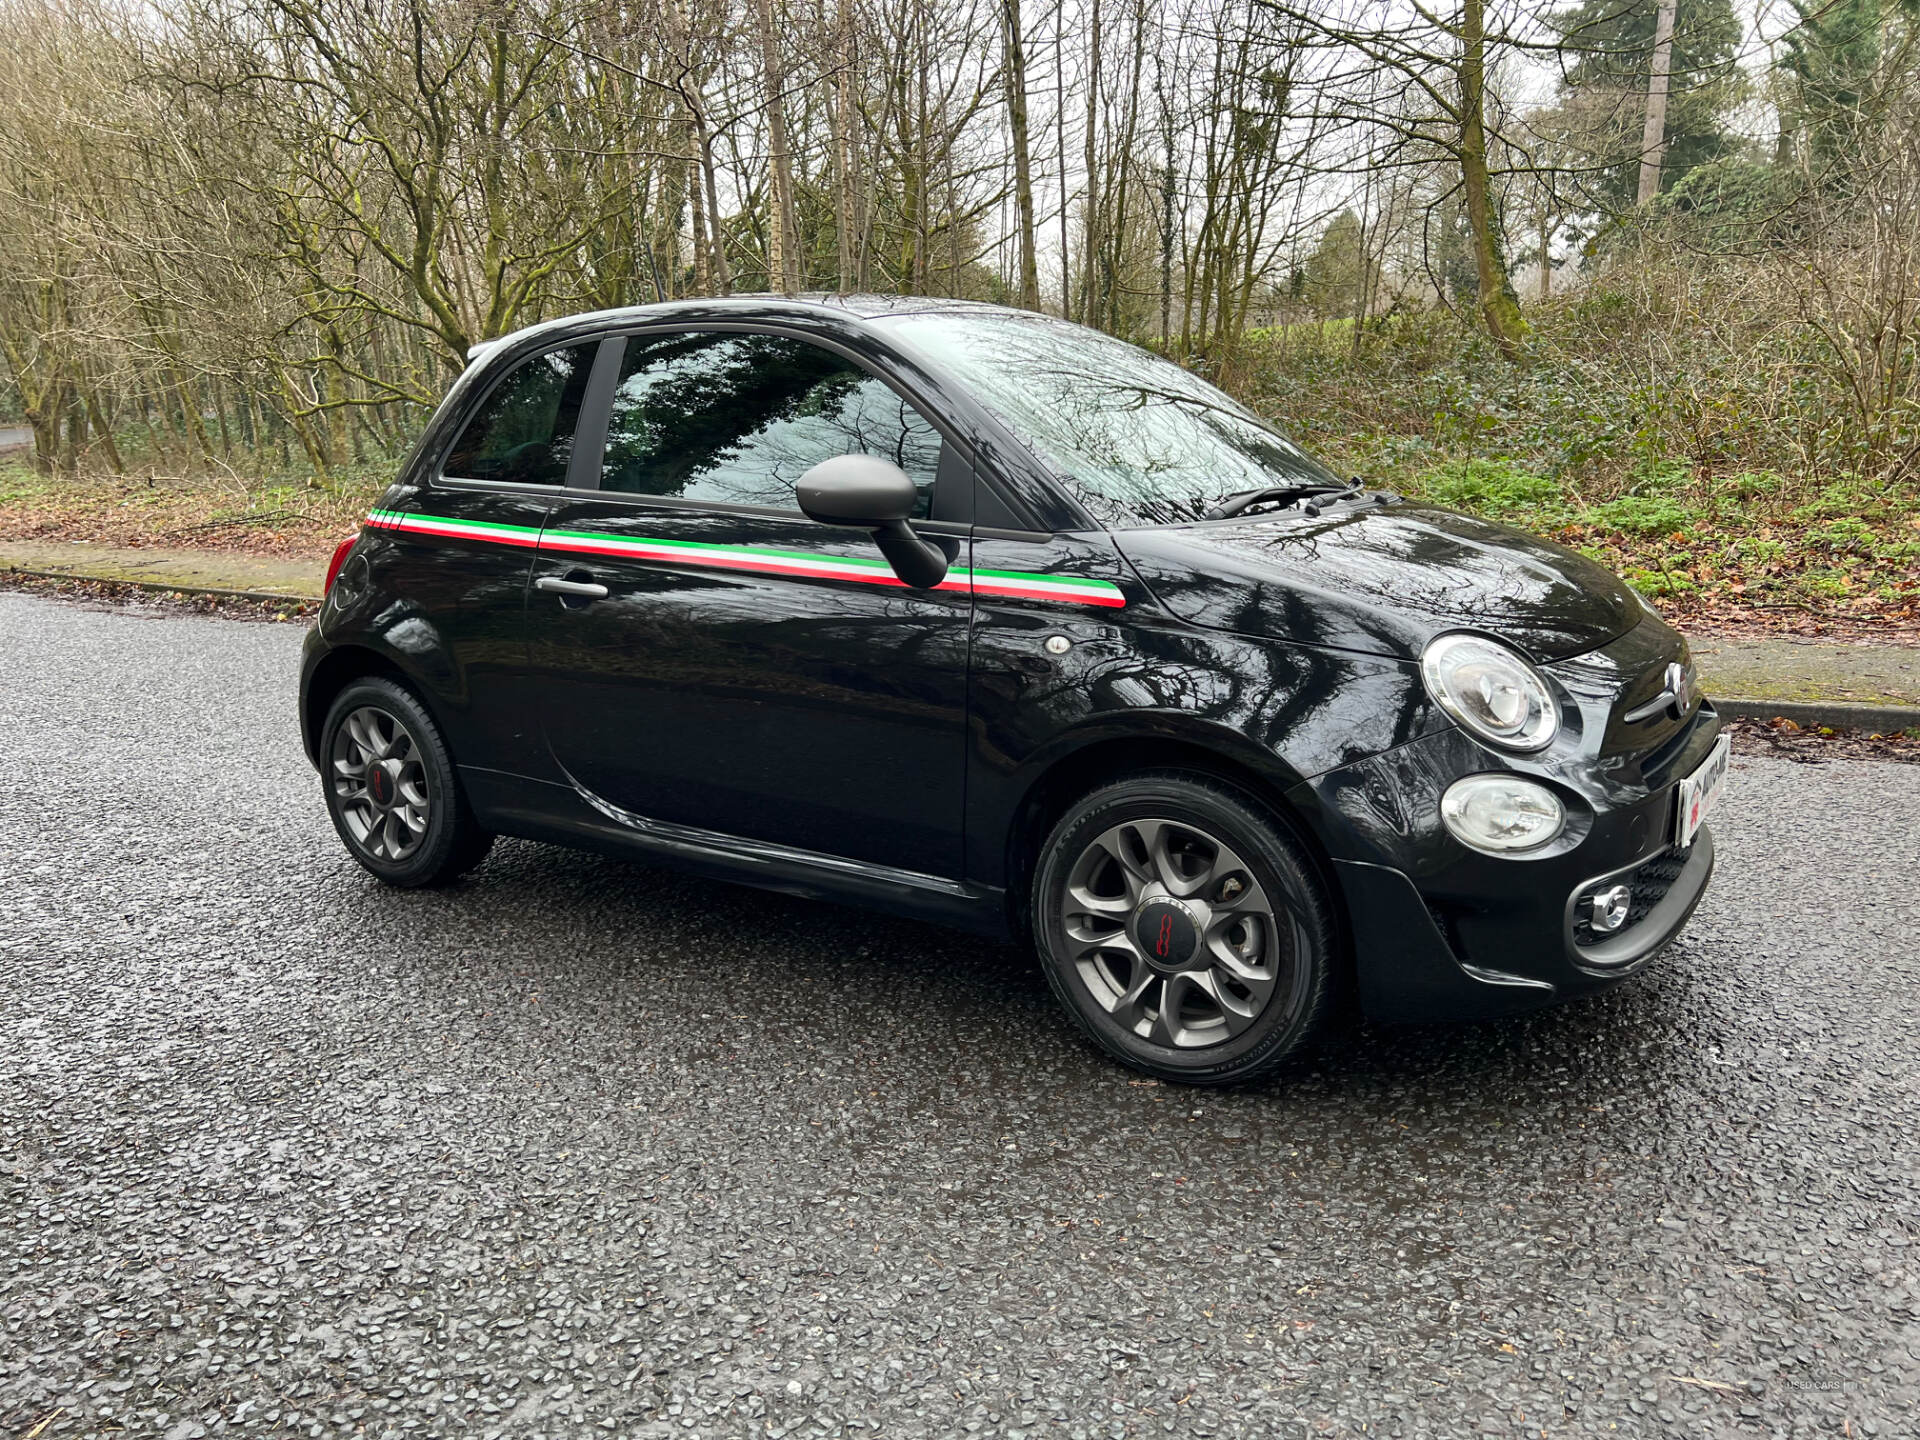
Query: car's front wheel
[1183,928]
[392,790]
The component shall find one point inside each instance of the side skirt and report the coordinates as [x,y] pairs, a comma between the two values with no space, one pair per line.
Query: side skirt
[561,814]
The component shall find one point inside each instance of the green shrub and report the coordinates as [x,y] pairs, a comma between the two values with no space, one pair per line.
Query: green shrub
[1750,485]
[1847,533]
[1657,584]
[1833,584]
[1492,487]
[1644,515]
[1660,476]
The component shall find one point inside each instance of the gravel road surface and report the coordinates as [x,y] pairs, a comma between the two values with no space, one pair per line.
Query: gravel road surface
[580,1148]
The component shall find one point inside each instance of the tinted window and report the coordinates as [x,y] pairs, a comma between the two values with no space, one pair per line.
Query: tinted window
[524,430]
[1141,439]
[738,419]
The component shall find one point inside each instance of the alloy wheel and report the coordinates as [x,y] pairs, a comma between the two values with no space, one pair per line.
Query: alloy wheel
[1171,933]
[379,780]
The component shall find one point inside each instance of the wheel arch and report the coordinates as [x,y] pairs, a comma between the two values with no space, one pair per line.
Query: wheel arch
[1073,774]
[339,668]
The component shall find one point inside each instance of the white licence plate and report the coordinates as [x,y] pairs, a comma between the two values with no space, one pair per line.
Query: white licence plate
[1700,792]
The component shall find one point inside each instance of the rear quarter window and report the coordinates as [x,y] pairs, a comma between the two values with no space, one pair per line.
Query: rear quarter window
[523,432]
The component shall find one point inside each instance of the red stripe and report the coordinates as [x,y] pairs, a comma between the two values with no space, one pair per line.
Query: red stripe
[640,550]
[420,526]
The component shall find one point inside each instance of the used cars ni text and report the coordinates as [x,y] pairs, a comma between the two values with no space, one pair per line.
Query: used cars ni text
[977,616]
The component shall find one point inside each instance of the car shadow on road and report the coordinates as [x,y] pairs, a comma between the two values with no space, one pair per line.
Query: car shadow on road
[795,965]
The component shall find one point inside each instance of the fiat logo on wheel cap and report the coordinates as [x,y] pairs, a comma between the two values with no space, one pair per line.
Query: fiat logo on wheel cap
[1166,933]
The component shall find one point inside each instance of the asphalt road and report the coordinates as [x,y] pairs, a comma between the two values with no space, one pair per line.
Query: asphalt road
[579,1148]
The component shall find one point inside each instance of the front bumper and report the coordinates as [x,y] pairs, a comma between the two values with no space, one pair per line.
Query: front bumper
[1410,968]
[1440,932]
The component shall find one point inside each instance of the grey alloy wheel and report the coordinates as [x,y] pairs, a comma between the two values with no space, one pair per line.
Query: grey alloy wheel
[379,779]
[1172,934]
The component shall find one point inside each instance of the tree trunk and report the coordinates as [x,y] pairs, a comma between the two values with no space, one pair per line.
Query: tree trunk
[843,158]
[722,272]
[1090,235]
[1022,158]
[702,242]
[1060,138]
[1546,257]
[1166,221]
[105,434]
[663,254]
[1498,308]
[1114,224]
[922,159]
[190,416]
[1653,139]
[46,439]
[782,269]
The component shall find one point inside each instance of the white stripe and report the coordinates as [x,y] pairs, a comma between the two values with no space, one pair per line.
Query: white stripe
[837,567]
[852,569]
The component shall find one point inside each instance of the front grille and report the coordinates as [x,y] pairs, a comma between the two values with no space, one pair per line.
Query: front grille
[1622,676]
[1649,881]
[1655,768]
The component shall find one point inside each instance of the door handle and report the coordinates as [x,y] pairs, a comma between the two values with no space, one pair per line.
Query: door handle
[579,589]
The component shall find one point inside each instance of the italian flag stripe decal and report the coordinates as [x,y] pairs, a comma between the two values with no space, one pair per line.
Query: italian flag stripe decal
[1013,584]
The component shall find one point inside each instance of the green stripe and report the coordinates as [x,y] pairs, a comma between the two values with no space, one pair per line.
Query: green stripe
[1102,585]
[695,548]
[402,515]
[712,549]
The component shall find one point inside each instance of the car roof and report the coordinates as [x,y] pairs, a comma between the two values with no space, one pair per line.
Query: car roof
[769,307]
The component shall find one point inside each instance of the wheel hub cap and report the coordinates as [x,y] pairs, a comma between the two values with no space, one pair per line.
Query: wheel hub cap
[381,786]
[1167,933]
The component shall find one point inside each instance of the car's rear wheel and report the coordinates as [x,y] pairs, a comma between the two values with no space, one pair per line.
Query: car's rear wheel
[391,788]
[1183,928]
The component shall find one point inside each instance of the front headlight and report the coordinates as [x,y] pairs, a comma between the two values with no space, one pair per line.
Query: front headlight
[1490,690]
[1502,814]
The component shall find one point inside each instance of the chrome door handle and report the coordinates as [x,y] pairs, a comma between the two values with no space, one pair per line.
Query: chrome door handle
[584,590]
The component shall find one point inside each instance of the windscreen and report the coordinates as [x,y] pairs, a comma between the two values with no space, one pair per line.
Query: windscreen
[1141,441]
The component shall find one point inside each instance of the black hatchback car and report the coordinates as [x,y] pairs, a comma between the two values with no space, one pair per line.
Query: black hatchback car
[977,616]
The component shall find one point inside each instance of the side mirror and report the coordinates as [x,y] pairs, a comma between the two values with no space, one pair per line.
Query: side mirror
[865,492]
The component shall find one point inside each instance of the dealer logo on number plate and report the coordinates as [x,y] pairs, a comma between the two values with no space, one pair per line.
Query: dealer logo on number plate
[1700,792]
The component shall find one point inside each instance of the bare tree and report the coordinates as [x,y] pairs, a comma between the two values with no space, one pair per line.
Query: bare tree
[1016,64]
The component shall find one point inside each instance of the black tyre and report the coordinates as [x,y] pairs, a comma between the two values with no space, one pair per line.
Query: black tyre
[1183,928]
[392,790]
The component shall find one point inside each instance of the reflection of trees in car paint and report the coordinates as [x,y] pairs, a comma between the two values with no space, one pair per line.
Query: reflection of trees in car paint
[523,430]
[1142,440]
[738,419]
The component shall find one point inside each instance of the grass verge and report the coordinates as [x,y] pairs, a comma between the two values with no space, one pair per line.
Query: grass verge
[275,515]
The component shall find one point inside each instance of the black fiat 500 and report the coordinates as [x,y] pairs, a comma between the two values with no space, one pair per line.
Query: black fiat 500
[973,615]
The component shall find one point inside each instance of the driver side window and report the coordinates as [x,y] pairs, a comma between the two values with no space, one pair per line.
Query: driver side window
[737,418]
[523,431]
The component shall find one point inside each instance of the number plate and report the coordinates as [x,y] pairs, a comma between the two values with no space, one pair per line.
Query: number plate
[1700,792]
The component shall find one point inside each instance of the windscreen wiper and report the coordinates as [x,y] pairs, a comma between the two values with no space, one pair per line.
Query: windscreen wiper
[1327,497]
[1266,495]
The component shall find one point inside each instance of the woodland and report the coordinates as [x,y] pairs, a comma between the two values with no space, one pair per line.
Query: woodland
[1640,274]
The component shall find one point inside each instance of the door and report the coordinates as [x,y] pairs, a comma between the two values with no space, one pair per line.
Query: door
[459,544]
[748,671]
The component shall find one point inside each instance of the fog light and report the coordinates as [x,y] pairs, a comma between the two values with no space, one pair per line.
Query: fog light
[1502,814]
[1608,909]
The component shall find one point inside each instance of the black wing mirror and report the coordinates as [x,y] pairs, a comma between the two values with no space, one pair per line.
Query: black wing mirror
[868,493]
